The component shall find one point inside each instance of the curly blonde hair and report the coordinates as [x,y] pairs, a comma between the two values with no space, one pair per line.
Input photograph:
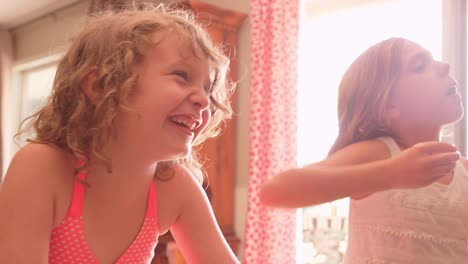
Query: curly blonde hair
[364,91]
[111,43]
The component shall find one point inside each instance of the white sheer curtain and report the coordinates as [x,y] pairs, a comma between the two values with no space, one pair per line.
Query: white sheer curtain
[6,61]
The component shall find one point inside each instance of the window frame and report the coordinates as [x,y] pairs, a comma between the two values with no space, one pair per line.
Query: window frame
[15,96]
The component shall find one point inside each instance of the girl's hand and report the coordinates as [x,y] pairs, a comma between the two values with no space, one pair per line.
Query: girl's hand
[423,164]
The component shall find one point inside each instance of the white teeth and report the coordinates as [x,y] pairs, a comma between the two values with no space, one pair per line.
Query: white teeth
[191,125]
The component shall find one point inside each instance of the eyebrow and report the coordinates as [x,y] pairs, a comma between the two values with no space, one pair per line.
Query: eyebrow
[190,63]
[184,61]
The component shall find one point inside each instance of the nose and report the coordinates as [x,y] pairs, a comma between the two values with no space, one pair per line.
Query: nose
[200,99]
[444,68]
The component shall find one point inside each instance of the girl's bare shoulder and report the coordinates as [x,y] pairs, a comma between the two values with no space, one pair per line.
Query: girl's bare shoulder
[40,163]
[175,189]
[28,196]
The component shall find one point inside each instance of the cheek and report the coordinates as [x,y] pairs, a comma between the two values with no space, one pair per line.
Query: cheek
[411,93]
[206,116]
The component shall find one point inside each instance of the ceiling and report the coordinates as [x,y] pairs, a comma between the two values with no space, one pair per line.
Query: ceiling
[17,12]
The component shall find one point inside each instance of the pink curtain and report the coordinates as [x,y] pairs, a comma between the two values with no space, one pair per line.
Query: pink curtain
[270,233]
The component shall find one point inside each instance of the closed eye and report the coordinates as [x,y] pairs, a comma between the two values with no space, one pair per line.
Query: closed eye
[420,61]
[181,74]
[420,67]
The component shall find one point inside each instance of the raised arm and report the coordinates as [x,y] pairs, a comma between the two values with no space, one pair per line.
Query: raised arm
[27,207]
[357,171]
[196,231]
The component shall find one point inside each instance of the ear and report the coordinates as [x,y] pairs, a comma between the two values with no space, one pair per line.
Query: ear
[88,85]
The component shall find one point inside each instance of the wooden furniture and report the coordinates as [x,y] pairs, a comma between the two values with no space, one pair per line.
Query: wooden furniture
[222,26]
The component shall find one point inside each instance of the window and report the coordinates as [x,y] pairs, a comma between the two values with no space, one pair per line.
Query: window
[332,34]
[36,87]
[32,85]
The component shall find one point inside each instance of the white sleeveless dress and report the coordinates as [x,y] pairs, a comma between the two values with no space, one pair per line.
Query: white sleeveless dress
[427,225]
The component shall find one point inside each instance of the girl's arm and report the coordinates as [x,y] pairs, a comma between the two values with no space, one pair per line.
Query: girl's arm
[27,207]
[358,171]
[196,231]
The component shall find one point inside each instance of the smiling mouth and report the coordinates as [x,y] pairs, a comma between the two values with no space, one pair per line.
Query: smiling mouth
[186,123]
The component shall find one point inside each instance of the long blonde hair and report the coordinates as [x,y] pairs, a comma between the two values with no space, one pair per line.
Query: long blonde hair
[111,43]
[364,91]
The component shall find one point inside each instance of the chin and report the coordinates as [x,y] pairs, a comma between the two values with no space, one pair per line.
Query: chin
[454,118]
[459,115]
[179,154]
